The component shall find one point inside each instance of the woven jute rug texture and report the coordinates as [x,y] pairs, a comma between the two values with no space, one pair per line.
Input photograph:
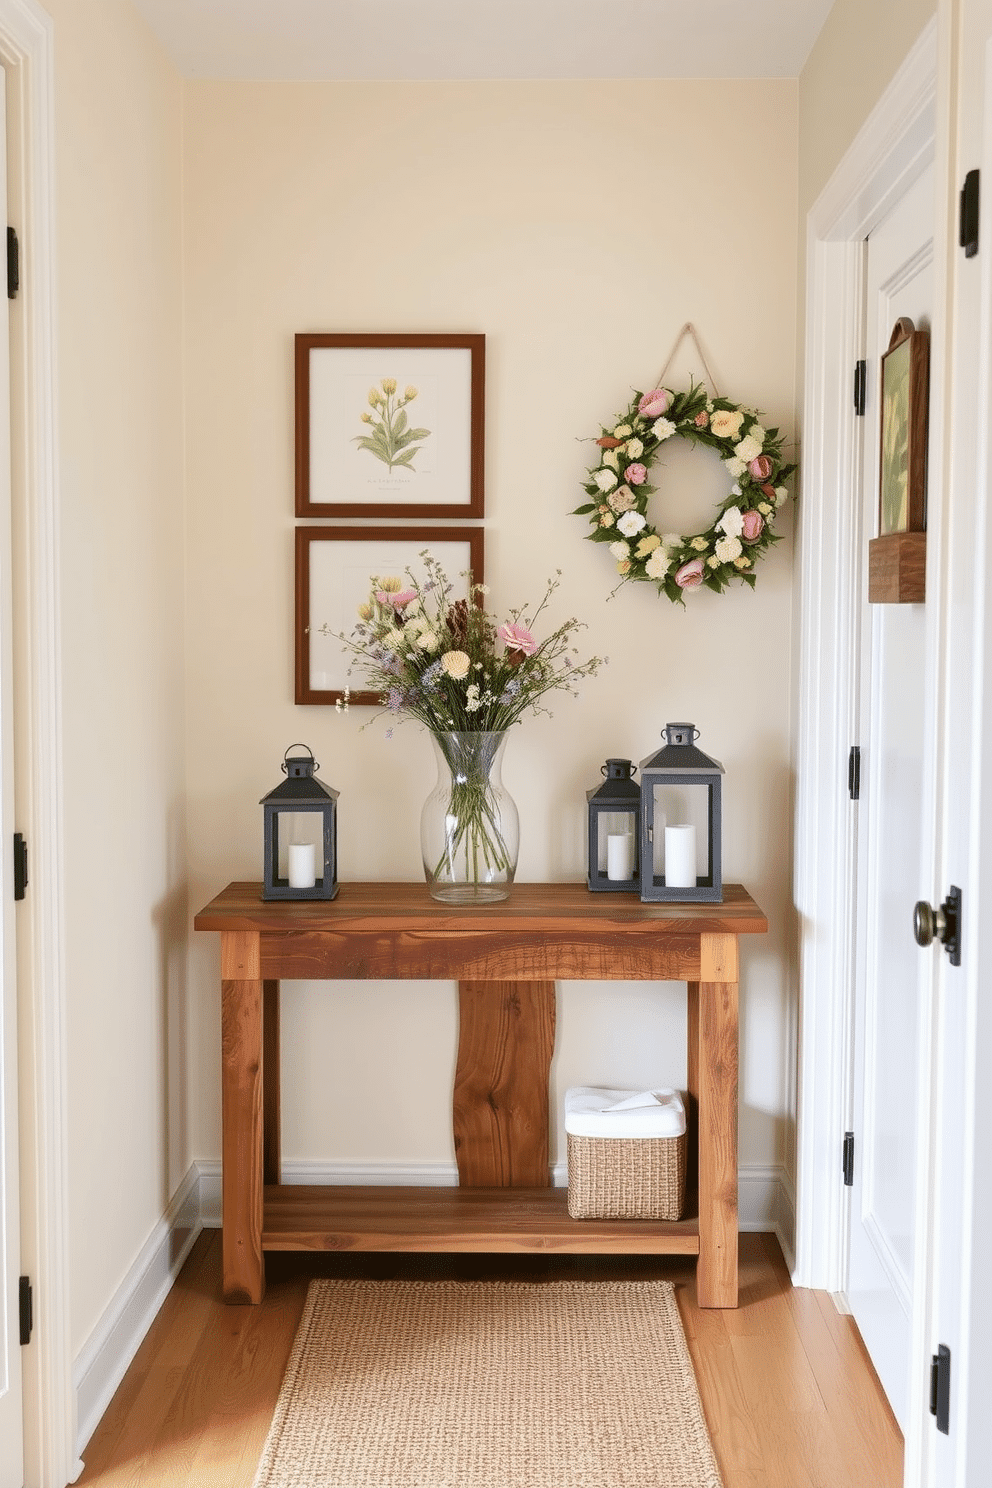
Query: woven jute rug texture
[420,1384]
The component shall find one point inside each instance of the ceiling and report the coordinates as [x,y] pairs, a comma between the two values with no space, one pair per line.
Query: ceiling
[406,39]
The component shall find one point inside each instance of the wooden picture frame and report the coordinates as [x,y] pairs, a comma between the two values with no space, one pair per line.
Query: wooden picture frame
[903,402]
[390,425]
[334,571]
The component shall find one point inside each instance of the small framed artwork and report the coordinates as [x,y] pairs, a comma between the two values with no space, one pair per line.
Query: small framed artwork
[390,426]
[903,456]
[335,569]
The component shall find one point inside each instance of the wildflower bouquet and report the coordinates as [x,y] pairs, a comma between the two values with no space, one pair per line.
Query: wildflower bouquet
[446,662]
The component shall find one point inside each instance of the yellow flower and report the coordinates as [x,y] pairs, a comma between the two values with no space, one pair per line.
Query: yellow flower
[365,612]
[389,586]
[375,397]
[410,394]
[366,418]
[700,544]
[742,562]
[389,386]
[647,545]
[623,567]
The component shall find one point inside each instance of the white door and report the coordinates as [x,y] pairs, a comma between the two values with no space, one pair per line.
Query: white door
[11,1422]
[889,975]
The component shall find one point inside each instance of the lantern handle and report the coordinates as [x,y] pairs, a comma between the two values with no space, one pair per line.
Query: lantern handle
[603,768]
[284,767]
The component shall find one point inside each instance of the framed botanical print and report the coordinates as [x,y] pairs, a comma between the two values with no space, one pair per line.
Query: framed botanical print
[390,425]
[335,570]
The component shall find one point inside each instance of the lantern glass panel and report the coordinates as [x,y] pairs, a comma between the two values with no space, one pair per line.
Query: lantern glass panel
[300,828]
[676,805]
[622,825]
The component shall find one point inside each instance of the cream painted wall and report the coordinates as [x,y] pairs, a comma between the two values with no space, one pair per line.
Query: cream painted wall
[578,225]
[118,122]
[856,55]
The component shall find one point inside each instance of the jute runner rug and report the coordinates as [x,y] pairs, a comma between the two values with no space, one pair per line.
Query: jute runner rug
[419,1384]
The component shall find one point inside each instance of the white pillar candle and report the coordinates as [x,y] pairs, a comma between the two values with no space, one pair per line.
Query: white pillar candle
[302,865]
[619,856]
[680,857]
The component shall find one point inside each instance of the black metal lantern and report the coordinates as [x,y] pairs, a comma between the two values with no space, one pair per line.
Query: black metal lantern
[680,821]
[614,809]
[301,833]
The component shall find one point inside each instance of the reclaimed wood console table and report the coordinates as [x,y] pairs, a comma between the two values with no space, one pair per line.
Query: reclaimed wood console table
[505,958]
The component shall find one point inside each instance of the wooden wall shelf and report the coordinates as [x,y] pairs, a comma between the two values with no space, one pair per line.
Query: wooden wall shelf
[897,568]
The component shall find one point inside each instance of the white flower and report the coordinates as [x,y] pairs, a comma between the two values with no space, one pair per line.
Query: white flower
[727,549]
[622,499]
[394,639]
[456,664]
[631,523]
[732,522]
[747,449]
[658,564]
[605,479]
[757,432]
[620,550]
[611,459]
[662,429]
[428,639]
[472,703]
[621,431]
[780,494]
[736,466]
[671,540]
[635,448]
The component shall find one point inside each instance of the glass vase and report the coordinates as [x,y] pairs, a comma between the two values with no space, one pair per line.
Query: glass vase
[469,827]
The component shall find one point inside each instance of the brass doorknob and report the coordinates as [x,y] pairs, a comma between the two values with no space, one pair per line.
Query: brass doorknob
[943,924]
[928,922]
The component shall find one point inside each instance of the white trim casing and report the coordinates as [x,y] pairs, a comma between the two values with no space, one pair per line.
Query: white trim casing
[891,151]
[27,54]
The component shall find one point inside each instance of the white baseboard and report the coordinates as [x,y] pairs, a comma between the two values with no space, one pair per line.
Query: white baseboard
[766,1199]
[101,1363]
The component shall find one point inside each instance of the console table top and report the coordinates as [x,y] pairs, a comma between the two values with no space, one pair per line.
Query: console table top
[537,906]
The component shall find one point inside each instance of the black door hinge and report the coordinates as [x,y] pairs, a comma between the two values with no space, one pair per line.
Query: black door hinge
[848,1159]
[968,229]
[20,865]
[25,1299]
[854,773]
[860,387]
[940,1388]
[13,264]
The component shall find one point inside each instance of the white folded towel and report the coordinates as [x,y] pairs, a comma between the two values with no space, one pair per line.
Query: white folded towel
[594,1112]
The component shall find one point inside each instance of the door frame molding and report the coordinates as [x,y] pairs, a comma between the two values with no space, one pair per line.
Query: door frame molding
[893,148]
[27,35]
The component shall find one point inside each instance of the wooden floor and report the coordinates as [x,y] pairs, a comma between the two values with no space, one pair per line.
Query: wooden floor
[790,1397]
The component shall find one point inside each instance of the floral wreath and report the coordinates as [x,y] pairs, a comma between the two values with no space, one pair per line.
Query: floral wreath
[742,532]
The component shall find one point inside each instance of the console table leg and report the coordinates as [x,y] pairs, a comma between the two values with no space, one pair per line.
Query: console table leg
[241,1081]
[272,1113]
[713,1009]
[506,1038]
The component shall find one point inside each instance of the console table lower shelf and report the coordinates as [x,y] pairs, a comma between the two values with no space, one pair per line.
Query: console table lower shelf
[506,959]
[459,1219]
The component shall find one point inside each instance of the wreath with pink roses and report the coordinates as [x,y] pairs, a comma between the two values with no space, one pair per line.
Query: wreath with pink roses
[618,484]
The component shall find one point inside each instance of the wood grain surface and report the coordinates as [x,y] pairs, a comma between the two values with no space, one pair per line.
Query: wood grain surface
[506,1037]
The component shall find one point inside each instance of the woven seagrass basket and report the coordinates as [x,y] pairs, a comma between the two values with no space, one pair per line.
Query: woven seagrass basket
[626,1177]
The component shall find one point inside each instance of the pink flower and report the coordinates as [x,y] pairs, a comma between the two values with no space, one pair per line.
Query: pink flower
[655,403]
[760,467]
[518,638]
[398,601]
[690,575]
[752,525]
[701,419]
[637,474]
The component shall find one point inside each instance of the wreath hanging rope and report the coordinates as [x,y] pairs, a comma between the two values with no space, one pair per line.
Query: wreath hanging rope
[741,533]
